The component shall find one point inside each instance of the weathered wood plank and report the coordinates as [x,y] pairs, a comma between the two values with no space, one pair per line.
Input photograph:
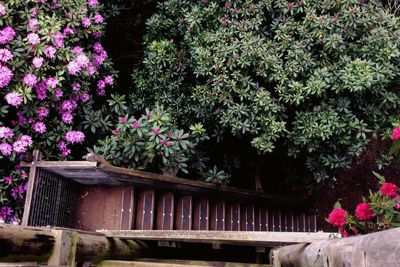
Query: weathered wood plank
[223,237]
[165,211]
[145,210]
[183,214]
[217,216]
[201,214]
[175,263]
[380,249]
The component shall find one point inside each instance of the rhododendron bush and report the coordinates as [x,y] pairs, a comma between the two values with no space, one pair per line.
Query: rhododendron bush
[319,76]
[53,68]
[379,211]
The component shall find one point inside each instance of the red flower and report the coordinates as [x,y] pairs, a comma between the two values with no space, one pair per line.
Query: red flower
[115,132]
[396,133]
[337,217]
[364,212]
[389,189]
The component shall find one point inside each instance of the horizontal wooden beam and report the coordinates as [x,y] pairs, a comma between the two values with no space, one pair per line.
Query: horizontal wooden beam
[174,263]
[262,239]
[186,185]
[60,164]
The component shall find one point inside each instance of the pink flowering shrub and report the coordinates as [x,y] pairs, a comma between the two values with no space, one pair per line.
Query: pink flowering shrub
[379,211]
[151,142]
[51,64]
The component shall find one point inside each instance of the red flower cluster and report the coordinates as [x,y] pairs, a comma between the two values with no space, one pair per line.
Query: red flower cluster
[396,134]
[337,217]
[389,189]
[364,212]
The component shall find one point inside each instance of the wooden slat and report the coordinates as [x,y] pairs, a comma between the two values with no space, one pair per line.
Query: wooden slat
[247,218]
[183,214]
[201,211]
[217,216]
[127,212]
[223,237]
[101,208]
[232,221]
[175,263]
[261,219]
[145,210]
[165,211]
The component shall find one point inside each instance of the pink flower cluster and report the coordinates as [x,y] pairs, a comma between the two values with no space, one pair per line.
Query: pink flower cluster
[75,137]
[7,35]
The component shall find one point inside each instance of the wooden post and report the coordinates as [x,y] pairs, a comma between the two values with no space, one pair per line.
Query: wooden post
[31,184]
[63,247]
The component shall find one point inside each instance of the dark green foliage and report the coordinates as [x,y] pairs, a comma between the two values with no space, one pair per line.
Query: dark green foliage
[322,76]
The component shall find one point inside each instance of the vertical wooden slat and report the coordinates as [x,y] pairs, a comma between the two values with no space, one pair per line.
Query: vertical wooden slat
[232,222]
[30,191]
[183,215]
[145,210]
[247,218]
[127,208]
[165,211]
[262,219]
[217,216]
[201,211]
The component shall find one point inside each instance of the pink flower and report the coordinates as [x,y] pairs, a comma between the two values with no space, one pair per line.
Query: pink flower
[136,124]
[85,97]
[33,38]
[7,35]
[49,51]
[98,18]
[364,212]
[37,62]
[228,5]
[5,76]
[101,84]
[5,55]
[73,67]
[77,50]
[13,99]
[5,149]
[396,133]
[155,131]
[30,79]
[75,137]
[76,86]
[389,189]
[290,4]
[337,217]
[68,31]
[82,60]
[3,10]
[41,90]
[58,38]
[93,3]
[86,22]
[58,93]
[6,132]
[7,180]
[52,82]
[42,112]
[67,117]
[109,80]
[98,48]
[22,144]
[39,127]
[122,120]
[33,24]
[115,132]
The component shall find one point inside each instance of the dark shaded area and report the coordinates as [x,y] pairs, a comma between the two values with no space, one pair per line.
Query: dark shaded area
[124,38]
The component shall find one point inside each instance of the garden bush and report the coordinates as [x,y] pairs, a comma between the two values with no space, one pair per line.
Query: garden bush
[319,76]
[54,73]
